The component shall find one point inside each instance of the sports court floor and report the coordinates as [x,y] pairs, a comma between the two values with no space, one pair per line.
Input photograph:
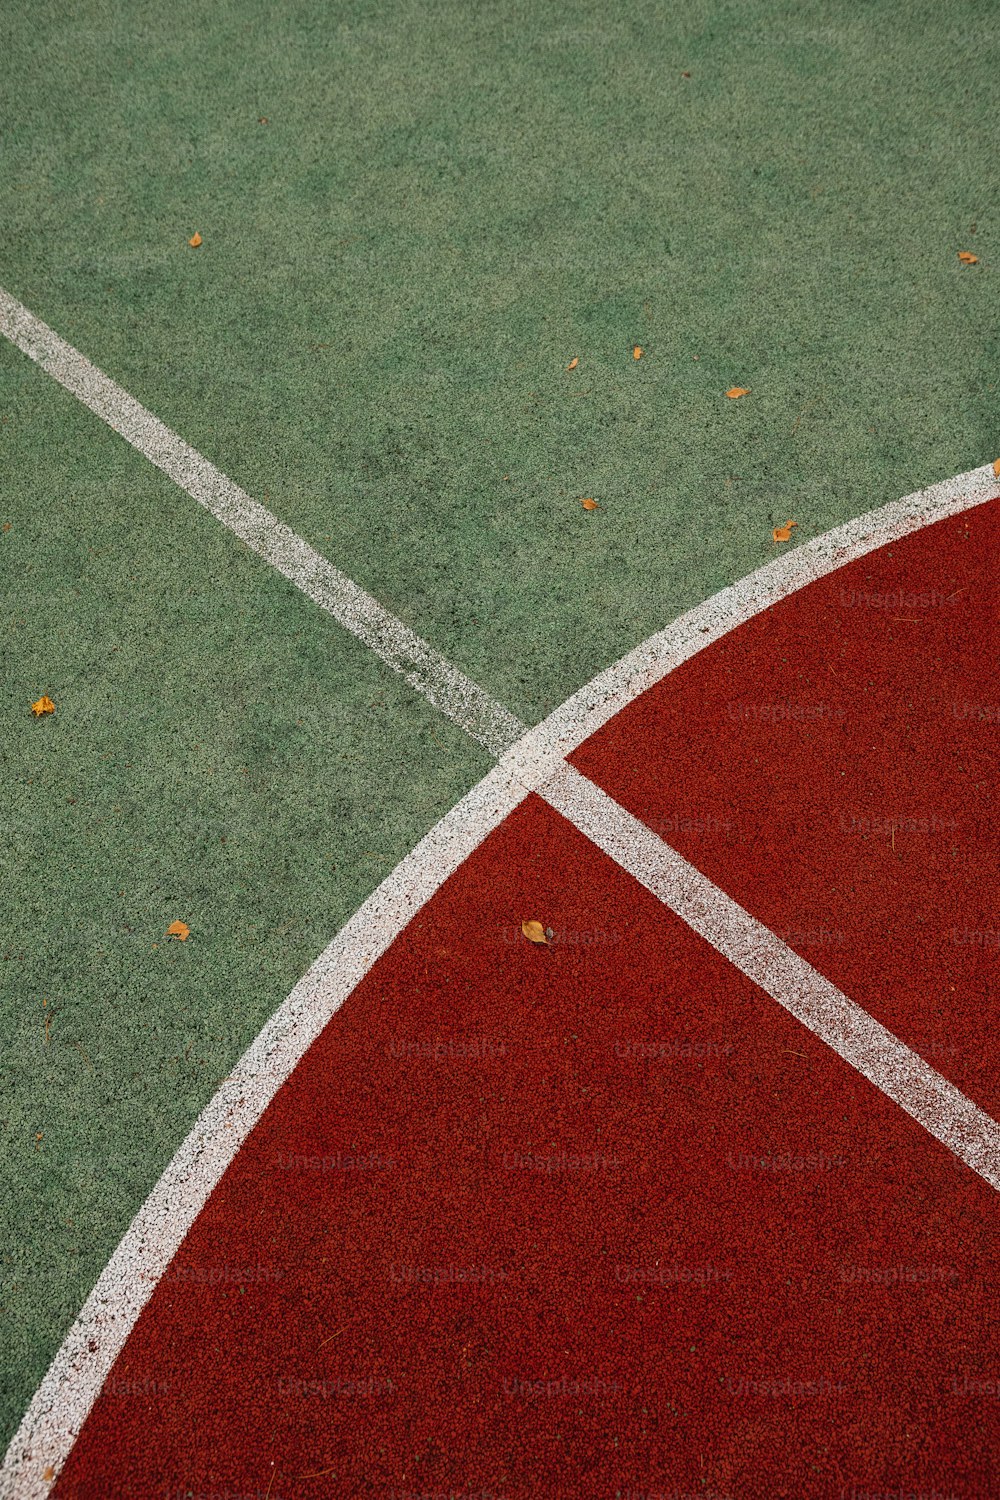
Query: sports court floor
[498,894]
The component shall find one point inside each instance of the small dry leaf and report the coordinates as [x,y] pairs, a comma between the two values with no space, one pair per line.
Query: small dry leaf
[996,467]
[736,391]
[534,932]
[637,352]
[573,364]
[48,1474]
[967,258]
[179,930]
[784,533]
[6,526]
[589,504]
[43,706]
[685,75]
[263,120]
[195,240]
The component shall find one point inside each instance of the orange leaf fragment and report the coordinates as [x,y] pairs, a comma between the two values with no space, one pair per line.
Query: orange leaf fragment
[573,363]
[737,391]
[534,932]
[637,352]
[195,240]
[43,706]
[784,533]
[967,258]
[996,467]
[48,1474]
[179,930]
[589,504]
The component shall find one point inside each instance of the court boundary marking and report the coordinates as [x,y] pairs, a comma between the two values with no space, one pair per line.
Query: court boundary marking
[442,684]
[533,760]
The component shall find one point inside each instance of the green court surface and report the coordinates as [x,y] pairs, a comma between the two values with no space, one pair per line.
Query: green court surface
[413,218]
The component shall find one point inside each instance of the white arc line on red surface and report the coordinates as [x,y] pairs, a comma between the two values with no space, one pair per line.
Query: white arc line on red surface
[533,761]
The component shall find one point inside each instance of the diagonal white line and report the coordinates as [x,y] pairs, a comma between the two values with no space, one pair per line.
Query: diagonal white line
[534,758]
[761,955]
[531,760]
[450,691]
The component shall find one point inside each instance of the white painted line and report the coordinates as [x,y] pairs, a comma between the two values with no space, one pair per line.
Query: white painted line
[536,751]
[451,692]
[608,693]
[533,760]
[901,1074]
[71,1386]
[73,1381]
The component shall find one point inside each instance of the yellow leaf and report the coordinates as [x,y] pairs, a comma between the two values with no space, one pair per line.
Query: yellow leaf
[49,1474]
[195,240]
[534,932]
[737,391]
[996,467]
[967,258]
[572,364]
[43,706]
[589,504]
[178,930]
[637,352]
[784,533]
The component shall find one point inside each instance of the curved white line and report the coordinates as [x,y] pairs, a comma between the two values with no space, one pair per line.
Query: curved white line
[539,751]
[64,1399]
[78,1371]
[80,1367]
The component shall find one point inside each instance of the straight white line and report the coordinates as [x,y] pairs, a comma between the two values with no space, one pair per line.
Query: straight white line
[74,1379]
[450,691]
[538,749]
[757,952]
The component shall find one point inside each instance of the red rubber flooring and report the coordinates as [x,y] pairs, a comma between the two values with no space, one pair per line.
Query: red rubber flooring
[571,1222]
[833,766]
[603,1220]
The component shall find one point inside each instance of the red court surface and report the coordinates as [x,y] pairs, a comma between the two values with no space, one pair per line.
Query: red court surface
[565,1222]
[602,1219]
[833,766]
